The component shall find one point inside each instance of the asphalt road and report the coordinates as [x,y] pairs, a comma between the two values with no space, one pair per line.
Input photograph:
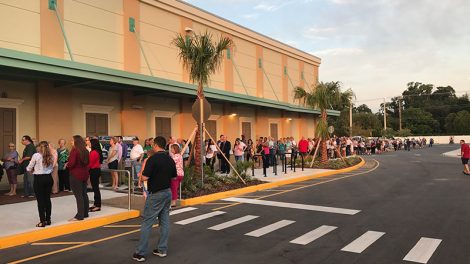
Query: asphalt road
[401,205]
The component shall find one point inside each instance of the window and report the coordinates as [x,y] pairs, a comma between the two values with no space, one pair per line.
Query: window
[163,127]
[96,124]
[7,128]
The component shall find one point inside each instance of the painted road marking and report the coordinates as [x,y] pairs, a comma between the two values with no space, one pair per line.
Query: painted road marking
[363,242]
[199,218]
[57,243]
[233,222]
[294,206]
[182,210]
[313,235]
[423,250]
[269,228]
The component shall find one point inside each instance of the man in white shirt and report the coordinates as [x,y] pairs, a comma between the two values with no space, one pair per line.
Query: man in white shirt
[137,153]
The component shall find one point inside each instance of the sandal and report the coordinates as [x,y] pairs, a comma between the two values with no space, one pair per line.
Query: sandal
[41,224]
[95,209]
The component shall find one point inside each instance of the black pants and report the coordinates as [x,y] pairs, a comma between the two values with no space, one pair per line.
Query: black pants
[95,184]
[224,167]
[64,182]
[210,162]
[42,189]
[79,191]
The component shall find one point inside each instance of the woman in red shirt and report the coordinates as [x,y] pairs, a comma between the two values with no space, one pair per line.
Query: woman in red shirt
[78,168]
[96,158]
[465,153]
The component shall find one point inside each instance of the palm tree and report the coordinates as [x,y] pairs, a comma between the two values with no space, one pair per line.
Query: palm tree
[201,57]
[323,96]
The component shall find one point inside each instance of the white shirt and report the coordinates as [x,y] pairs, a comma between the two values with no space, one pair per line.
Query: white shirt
[36,166]
[210,154]
[136,152]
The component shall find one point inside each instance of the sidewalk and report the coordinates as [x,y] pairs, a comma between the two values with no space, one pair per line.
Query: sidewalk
[281,176]
[452,154]
[19,220]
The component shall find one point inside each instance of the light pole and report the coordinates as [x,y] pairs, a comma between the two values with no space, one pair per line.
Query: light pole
[385,115]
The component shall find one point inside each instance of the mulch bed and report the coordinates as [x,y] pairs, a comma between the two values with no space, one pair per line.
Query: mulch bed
[224,188]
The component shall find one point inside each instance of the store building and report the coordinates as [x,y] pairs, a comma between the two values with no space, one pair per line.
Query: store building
[112,70]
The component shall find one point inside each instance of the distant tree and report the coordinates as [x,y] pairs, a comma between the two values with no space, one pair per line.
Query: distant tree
[420,122]
[363,108]
[417,95]
[461,123]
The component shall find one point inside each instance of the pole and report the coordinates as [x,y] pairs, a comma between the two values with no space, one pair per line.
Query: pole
[350,119]
[201,131]
[385,116]
[399,111]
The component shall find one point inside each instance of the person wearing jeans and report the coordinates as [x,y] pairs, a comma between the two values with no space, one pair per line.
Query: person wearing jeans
[136,155]
[28,179]
[78,167]
[159,170]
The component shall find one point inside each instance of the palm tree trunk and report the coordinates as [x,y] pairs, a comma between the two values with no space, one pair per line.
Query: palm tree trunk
[324,151]
[197,141]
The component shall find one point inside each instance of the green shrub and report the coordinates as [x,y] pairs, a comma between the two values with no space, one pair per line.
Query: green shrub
[242,167]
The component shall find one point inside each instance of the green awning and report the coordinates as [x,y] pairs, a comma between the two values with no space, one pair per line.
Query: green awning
[15,62]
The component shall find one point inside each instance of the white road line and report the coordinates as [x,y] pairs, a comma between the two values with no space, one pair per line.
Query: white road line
[270,228]
[233,222]
[182,210]
[199,218]
[363,242]
[313,235]
[294,206]
[423,250]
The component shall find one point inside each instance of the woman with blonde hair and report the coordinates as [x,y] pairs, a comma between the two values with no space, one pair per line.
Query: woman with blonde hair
[55,170]
[41,166]
[112,161]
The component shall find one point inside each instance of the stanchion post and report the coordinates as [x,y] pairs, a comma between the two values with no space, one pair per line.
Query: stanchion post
[253,169]
[285,164]
[295,158]
[129,191]
[302,162]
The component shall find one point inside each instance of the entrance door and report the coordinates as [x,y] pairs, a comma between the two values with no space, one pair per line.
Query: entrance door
[246,130]
[96,124]
[7,128]
[163,127]
[273,130]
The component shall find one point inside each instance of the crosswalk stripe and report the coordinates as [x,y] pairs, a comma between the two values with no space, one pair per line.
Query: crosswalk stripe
[423,250]
[294,206]
[233,222]
[363,242]
[182,210]
[199,218]
[313,235]
[269,228]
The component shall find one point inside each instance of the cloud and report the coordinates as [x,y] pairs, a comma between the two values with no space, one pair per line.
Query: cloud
[251,16]
[338,52]
[267,7]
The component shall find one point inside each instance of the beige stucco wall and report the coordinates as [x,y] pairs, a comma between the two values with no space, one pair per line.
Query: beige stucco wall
[20,25]
[157,30]
[244,56]
[294,74]
[273,68]
[94,31]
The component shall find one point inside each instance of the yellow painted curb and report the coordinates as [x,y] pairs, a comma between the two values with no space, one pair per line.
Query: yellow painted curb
[259,187]
[54,231]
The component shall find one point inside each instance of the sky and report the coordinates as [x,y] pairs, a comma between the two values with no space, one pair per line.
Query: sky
[374,47]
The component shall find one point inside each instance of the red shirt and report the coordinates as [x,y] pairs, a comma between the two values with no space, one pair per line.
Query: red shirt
[76,167]
[303,146]
[94,160]
[465,150]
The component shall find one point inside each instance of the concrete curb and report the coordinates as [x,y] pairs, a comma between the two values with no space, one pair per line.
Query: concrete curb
[259,187]
[54,231]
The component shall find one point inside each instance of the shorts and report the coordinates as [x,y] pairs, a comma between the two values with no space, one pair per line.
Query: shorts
[464,161]
[113,165]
